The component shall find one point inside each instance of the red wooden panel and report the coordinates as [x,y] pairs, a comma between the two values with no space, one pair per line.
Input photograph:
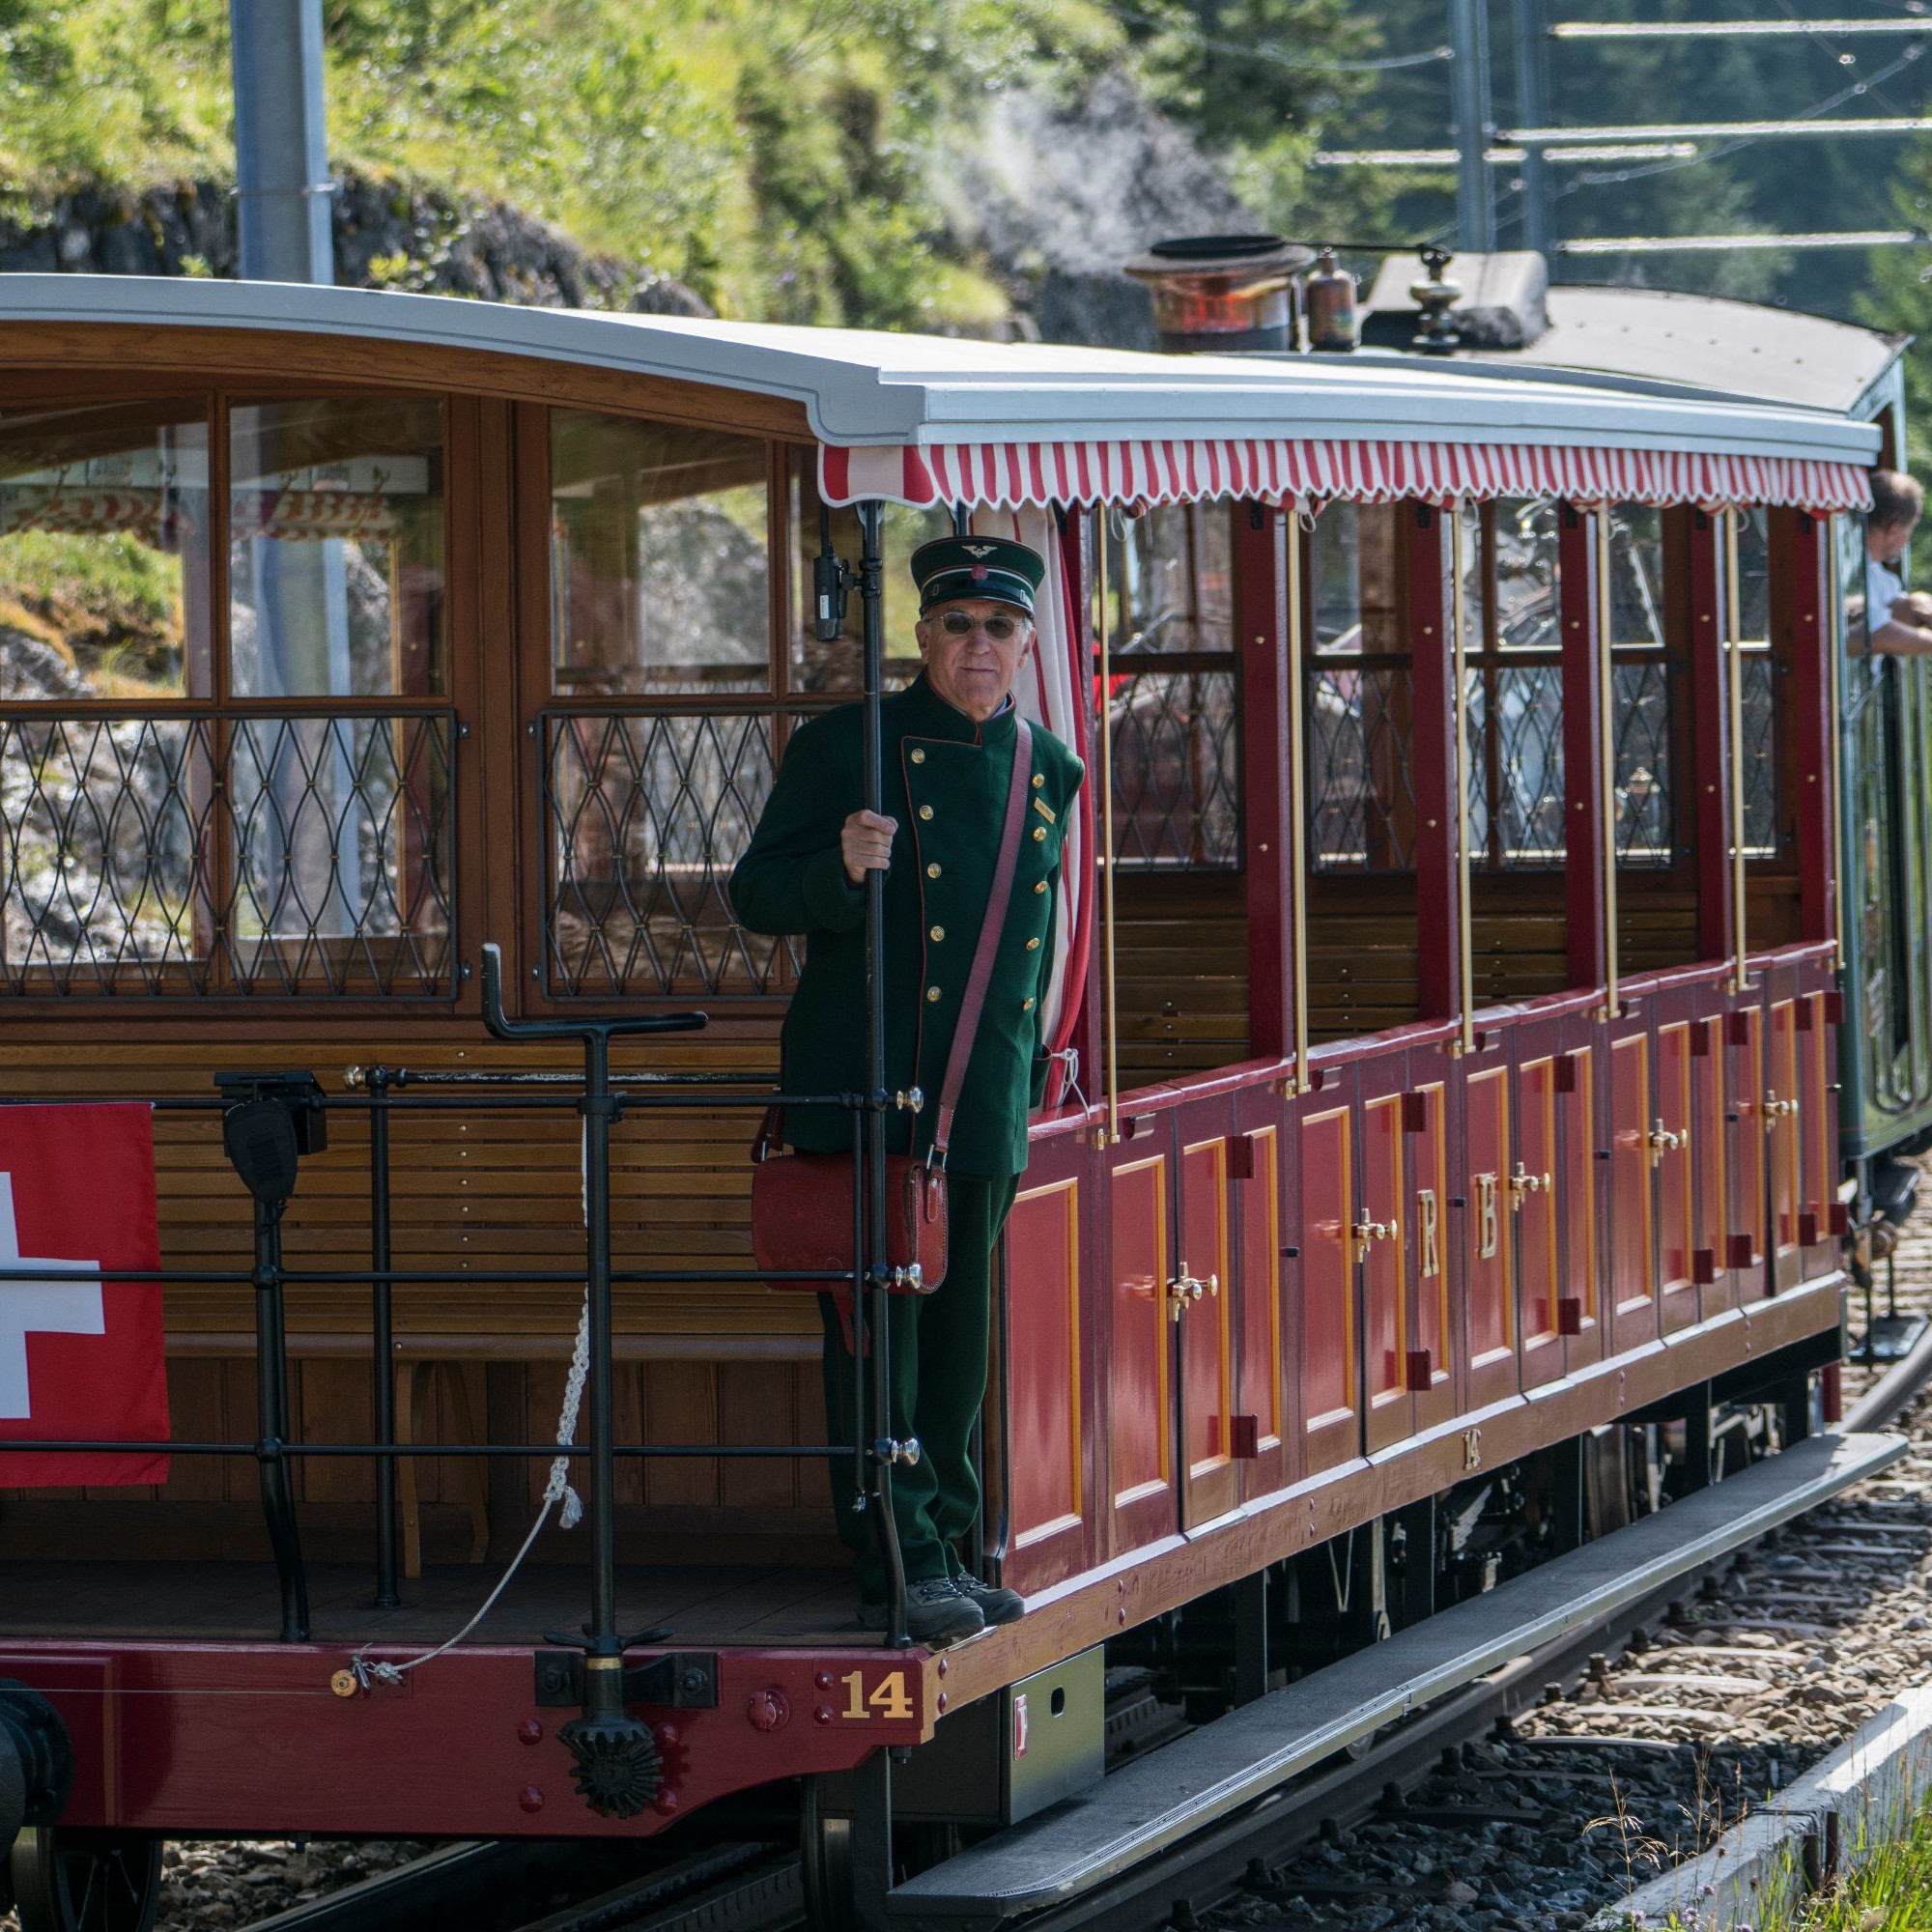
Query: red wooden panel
[1632,1275]
[1043,1395]
[1206,1330]
[1675,1229]
[1746,1240]
[1430,1232]
[1781,1103]
[1258,1203]
[1819,1186]
[1486,1149]
[1709,1220]
[1327,1289]
[1385,1329]
[1137,1424]
[1533,1196]
[1578,1311]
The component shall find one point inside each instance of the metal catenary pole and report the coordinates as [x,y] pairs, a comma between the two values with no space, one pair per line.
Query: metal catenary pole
[1469,81]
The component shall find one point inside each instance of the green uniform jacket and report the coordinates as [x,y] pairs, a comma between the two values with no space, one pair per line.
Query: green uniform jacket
[946,781]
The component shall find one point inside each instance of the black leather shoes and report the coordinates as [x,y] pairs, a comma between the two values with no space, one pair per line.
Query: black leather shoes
[996,1605]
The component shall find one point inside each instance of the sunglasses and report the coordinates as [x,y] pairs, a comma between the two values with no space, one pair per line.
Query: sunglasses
[962,624]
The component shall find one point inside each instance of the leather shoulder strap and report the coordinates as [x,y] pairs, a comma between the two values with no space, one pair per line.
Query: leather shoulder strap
[990,929]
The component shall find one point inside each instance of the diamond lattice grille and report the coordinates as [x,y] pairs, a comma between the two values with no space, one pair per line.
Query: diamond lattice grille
[226,853]
[1176,773]
[1362,804]
[647,813]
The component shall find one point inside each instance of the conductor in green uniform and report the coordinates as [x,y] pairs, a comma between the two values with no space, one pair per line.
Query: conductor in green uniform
[948,748]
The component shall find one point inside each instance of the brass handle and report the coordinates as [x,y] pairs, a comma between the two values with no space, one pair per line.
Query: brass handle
[1661,1140]
[1364,1232]
[1186,1289]
[1775,1110]
[1523,1183]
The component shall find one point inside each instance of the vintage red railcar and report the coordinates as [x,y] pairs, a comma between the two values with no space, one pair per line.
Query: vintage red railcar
[1446,1018]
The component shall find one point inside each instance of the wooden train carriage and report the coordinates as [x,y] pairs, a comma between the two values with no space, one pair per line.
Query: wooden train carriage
[1450,966]
[1786,359]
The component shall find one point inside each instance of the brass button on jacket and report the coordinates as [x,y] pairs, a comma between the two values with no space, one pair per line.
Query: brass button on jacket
[791,880]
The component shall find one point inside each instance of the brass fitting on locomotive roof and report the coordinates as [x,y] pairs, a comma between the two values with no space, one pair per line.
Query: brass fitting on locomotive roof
[352,1077]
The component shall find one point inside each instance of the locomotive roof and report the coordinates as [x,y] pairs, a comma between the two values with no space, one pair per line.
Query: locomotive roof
[873,388]
[1783,355]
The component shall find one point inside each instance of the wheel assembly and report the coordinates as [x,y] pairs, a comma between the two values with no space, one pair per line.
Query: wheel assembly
[68,1881]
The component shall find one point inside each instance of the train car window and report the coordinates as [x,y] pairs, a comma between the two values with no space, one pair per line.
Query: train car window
[655,766]
[1514,696]
[1759,692]
[103,551]
[336,547]
[1172,707]
[660,570]
[1359,695]
[166,842]
[1643,675]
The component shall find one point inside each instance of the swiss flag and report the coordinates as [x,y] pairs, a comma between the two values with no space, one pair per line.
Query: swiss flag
[79,1359]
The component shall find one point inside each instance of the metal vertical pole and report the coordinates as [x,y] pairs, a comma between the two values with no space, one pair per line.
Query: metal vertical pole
[281,145]
[1470,78]
[1110,1134]
[885,1446]
[1733,647]
[597,1108]
[1607,751]
[272,1422]
[1528,20]
[383,1392]
[1459,607]
[1297,792]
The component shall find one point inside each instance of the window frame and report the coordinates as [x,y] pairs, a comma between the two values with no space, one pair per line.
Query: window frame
[536,702]
[216,396]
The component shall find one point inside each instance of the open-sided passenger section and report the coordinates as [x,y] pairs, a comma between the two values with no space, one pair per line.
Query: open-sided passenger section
[1359,709]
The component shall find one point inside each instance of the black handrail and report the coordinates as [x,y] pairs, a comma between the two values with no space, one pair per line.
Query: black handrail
[870,1447]
[597,1107]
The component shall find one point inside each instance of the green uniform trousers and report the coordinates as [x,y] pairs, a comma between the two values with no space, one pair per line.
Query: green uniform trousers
[938,1352]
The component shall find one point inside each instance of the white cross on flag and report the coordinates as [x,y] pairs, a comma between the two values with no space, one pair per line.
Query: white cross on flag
[81,1360]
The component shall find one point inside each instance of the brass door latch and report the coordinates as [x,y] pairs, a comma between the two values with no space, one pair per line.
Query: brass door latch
[1523,1183]
[1775,1110]
[1364,1233]
[1662,1140]
[1186,1289]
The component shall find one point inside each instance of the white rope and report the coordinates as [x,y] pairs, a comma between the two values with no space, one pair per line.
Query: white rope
[557,1490]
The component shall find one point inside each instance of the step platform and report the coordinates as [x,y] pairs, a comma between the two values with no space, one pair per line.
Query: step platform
[1156,1801]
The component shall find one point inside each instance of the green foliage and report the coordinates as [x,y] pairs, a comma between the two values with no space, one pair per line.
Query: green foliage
[774,154]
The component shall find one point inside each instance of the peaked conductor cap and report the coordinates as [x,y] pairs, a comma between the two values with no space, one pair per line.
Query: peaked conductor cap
[995,568]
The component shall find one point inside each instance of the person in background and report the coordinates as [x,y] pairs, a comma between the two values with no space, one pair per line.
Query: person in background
[1898,622]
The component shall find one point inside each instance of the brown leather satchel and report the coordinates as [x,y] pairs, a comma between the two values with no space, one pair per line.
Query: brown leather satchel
[802,1207]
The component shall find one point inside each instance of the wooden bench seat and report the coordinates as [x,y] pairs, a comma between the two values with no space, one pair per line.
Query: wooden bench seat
[492,1188]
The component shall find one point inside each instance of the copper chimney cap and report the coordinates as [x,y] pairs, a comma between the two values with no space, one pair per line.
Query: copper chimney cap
[1222,292]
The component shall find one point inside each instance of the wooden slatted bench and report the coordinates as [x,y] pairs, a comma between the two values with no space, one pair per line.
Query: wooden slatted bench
[698,1363]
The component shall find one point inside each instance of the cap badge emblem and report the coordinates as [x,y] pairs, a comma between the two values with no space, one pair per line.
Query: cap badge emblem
[978,549]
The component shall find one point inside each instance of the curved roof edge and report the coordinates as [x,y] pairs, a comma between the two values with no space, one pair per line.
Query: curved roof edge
[862,388]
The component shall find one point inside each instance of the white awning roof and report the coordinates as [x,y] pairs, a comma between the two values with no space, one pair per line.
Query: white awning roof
[871,392]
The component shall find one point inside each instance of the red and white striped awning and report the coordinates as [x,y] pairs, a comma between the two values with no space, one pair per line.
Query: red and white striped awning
[1018,474]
